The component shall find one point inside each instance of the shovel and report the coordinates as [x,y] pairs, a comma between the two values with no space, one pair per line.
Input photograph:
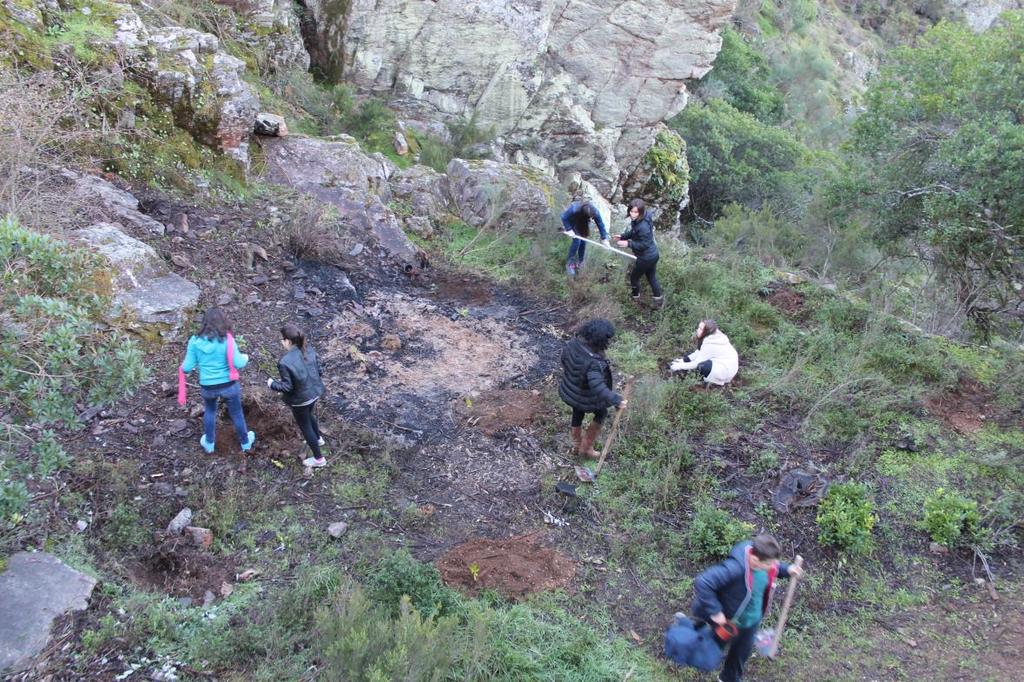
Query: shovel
[584,473]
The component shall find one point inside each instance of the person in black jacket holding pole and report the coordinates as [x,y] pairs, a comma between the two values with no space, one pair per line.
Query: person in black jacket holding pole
[301,386]
[586,384]
[640,238]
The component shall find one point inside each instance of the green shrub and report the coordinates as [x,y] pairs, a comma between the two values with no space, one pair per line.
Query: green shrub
[13,498]
[399,575]
[50,456]
[950,517]
[713,532]
[765,462]
[54,353]
[846,517]
[362,642]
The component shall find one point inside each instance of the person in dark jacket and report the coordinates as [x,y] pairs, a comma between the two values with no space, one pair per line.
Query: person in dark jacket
[576,219]
[739,590]
[640,238]
[586,384]
[301,386]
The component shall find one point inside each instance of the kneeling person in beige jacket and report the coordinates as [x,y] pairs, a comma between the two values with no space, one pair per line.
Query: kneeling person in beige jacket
[715,358]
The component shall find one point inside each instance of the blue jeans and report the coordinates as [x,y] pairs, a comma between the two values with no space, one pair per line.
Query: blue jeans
[232,395]
[577,248]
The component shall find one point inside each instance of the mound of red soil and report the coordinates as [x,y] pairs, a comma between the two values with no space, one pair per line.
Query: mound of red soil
[265,414]
[786,299]
[965,408]
[499,409]
[514,567]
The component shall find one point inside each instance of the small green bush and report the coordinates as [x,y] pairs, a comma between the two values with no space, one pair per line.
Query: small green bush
[362,642]
[950,517]
[13,498]
[399,575]
[50,456]
[713,532]
[54,353]
[846,517]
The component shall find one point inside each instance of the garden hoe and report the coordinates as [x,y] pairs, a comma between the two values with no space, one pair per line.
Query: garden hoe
[573,235]
[767,641]
[584,473]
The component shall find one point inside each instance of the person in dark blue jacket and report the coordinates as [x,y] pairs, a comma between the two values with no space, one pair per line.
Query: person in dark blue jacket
[739,590]
[640,238]
[576,219]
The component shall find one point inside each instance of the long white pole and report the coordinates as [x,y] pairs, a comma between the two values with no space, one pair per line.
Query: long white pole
[573,235]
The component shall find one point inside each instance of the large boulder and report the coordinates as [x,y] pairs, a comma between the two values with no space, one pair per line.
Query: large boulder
[421,199]
[186,70]
[503,195]
[337,172]
[35,589]
[273,28]
[581,83]
[102,201]
[149,299]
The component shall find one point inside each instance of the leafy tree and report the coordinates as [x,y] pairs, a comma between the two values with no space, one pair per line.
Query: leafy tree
[943,142]
[735,158]
[746,78]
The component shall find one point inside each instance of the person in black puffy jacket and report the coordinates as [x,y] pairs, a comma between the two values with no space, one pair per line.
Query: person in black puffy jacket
[640,238]
[586,384]
[301,386]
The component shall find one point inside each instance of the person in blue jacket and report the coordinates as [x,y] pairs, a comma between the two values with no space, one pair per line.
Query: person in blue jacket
[214,351]
[576,219]
[739,590]
[640,238]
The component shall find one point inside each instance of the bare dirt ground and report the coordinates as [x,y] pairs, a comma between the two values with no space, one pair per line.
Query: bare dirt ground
[445,372]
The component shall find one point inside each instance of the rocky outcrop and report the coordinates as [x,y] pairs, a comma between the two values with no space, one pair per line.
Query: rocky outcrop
[337,172]
[582,84]
[149,299]
[422,199]
[186,70]
[102,201]
[503,195]
[274,30]
[981,14]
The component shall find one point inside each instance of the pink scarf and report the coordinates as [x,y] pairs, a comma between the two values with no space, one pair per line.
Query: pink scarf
[232,372]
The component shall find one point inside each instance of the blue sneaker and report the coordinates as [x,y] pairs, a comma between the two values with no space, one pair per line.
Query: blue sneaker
[246,447]
[206,445]
[570,269]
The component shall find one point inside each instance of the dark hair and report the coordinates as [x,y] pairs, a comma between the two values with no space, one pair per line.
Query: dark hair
[640,206]
[295,335]
[710,327]
[588,209]
[596,334]
[215,324]
[766,548]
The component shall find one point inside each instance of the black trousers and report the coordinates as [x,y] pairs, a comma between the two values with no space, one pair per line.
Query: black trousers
[648,269]
[578,415]
[305,417]
[740,648]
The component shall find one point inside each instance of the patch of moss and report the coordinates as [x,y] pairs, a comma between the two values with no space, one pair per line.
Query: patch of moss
[22,46]
[670,172]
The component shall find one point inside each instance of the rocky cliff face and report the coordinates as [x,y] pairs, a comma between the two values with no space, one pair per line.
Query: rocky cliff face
[579,84]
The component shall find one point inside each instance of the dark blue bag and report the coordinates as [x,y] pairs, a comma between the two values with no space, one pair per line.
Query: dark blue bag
[692,645]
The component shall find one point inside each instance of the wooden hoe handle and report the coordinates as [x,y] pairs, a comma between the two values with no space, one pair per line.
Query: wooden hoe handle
[785,609]
[615,426]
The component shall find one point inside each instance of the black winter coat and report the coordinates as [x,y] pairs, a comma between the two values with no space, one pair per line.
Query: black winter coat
[641,238]
[586,379]
[300,378]
[726,587]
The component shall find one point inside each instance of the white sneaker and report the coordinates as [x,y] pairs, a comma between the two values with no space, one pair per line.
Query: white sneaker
[321,442]
[313,462]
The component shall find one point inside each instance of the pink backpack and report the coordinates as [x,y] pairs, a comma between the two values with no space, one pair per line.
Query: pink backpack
[232,372]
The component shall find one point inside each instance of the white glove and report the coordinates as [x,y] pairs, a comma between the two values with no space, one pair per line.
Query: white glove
[270,382]
[677,365]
